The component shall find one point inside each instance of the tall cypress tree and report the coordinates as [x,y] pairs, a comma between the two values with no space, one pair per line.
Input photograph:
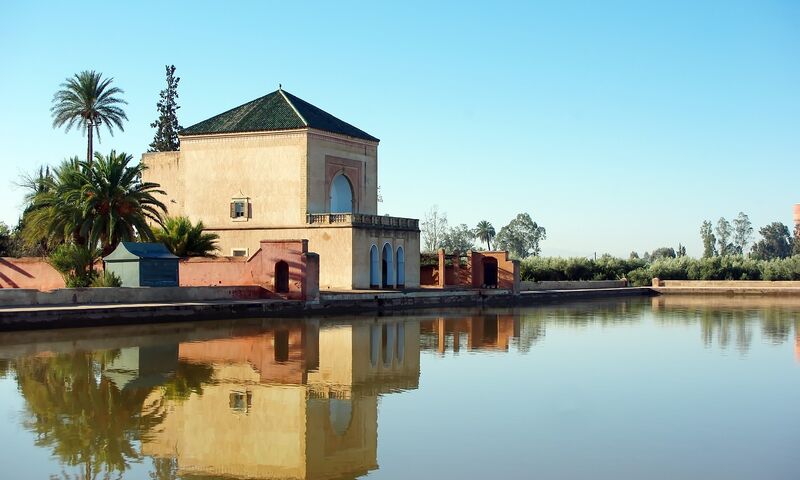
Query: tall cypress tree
[167,126]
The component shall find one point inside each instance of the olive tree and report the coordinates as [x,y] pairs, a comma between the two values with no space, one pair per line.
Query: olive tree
[521,237]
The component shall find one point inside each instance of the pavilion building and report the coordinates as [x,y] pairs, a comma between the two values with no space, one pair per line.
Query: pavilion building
[279,168]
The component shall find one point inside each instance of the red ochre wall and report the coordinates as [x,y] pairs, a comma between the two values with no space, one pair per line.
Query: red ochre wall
[507,269]
[29,272]
[259,269]
[428,275]
[35,273]
[470,275]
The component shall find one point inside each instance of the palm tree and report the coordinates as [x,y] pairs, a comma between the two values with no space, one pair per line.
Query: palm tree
[485,233]
[52,214]
[186,240]
[116,204]
[104,204]
[89,101]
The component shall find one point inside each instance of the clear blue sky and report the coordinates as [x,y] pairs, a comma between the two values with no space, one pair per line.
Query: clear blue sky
[618,126]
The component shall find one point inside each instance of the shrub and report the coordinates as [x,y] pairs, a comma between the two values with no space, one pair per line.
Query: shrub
[670,268]
[75,264]
[782,269]
[106,279]
[612,268]
[640,277]
[579,269]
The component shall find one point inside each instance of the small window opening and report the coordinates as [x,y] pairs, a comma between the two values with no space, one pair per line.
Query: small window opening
[241,209]
[241,402]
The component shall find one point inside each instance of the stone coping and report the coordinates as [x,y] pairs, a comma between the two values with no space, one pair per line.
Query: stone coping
[728,283]
[83,315]
[742,290]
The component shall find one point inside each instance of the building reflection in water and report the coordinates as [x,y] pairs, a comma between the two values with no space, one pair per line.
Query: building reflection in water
[251,399]
[295,399]
[298,401]
[477,332]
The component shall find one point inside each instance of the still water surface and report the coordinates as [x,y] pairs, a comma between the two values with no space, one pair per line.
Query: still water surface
[655,388]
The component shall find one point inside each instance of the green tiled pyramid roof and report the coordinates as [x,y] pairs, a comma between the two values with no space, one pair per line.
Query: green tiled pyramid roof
[279,110]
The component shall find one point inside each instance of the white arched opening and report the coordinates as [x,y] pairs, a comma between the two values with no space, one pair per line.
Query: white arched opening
[374,268]
[341,195]
[387,272]
[401,267]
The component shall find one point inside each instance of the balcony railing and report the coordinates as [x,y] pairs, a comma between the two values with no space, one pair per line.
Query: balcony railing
[363,220]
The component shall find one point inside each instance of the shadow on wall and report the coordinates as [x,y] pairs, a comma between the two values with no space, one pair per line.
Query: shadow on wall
[284,267]
[29,272]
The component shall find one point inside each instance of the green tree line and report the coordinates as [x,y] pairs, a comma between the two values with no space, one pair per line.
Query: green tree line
[641,272]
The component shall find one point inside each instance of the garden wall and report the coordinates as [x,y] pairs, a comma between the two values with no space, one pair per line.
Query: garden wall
[301,273]
[727,283]
[28,272]
[302,269]
[69,296]
[471,273]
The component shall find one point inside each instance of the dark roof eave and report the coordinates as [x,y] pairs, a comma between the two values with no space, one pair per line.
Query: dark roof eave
[368,137]
[181,134]
[200,134]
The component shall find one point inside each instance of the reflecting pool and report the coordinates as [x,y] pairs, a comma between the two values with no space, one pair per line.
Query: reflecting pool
[657,388]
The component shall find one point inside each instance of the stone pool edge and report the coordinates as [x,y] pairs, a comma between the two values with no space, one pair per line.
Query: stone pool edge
[85,315]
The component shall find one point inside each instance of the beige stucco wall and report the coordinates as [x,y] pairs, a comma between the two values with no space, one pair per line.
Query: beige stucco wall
[283,173]
[322,145]
[268,168]
[164,168]
[363,239]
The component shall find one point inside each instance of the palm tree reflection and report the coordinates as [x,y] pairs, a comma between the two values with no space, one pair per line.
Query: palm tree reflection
[87,417]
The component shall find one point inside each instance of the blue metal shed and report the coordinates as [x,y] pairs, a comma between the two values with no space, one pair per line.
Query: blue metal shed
[143,265]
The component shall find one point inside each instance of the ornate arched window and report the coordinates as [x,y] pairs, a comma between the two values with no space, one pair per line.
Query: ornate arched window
[341,195]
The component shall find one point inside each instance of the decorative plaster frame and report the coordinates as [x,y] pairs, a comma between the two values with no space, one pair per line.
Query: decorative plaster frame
[353,170]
